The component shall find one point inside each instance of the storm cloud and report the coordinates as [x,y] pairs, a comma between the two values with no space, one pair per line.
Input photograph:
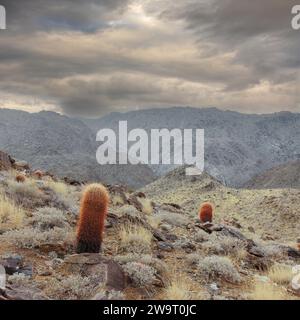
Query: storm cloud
[92,57]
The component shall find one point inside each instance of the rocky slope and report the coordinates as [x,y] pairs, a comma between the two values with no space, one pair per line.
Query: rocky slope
[63,146]
[154,246]
[237,146]
[284,176]
[276,211]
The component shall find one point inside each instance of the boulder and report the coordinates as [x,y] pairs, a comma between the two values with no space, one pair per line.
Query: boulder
[6,162]
[14,263]
[21,165]
[108,272]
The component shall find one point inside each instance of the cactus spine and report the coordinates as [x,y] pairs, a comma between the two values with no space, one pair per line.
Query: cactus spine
[206,212]
[93,211]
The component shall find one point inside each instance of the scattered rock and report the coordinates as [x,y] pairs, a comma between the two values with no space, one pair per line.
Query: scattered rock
[165,227]
[164,246]
[171,237]
[214,287]
[134,201]
[14,263]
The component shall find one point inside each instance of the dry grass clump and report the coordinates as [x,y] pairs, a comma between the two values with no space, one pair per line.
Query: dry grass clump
[281,274]
[117,200]
[59,188]
[215,267]
[267,291]
[11,215]
[48,218]
[135,239]
[34,238]
[61,195]
[178,289]
[154,221]
[174,219]
[140,274]
[147,207]
[28,189]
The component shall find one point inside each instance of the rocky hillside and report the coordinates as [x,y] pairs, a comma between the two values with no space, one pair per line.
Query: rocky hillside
[237,146]
[154,246]
[262,211]
[284,176]
[63,146]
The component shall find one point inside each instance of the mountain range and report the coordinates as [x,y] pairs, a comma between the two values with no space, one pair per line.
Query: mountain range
[238,146]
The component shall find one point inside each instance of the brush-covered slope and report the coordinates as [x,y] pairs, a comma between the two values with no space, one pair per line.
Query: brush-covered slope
[284,176]
[265,211]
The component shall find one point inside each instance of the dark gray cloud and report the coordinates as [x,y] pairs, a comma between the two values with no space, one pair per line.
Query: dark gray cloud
[259,31]
[36,15]
[93,57]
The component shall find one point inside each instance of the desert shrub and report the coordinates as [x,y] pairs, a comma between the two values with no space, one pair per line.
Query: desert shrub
[74,287]
[174,219]
[28,189]
[147,259]
[222,245]
[33,238]
[213,248]
[11,215]
[48,218]
[193,259]
[281,274]
[130,211]
[140,274]
[214,267]
[61,195]
[135,239]
[201,236]
[19,279]
[272,251]
[267,291]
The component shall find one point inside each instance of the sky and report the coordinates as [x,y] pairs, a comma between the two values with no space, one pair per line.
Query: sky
[89,58]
